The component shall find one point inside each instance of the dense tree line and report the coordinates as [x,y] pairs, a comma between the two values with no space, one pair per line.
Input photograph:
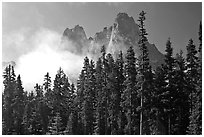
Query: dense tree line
[114,96]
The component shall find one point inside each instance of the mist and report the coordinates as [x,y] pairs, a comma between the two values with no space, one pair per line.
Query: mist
[42,52]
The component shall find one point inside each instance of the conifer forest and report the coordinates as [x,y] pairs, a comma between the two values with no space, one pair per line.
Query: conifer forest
[120,95]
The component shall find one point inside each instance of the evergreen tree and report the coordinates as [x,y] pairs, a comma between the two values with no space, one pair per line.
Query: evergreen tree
[195,88]
[129,101]
[8,98]
[100,109]
[18,107]
[88,104]
[47,87]
[145,75]
[119,69]
[72,124]
[47,82]
[199,87]
[114,98]
[60,97]
[46,102]
[181,102]
[192,73]
[170,93]
[105,97]
[72,97]
[79,101]
[37,121]
[192,77]
[159,102]
[102,121]
[27,115]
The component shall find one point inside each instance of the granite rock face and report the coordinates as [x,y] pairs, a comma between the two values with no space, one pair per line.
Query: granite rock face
[120,36]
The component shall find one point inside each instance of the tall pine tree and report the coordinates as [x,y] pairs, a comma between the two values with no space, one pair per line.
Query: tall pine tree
[181,102]
[18,106]
[88,104]
[129,101]
[119,69]
[145,75]
[8,98]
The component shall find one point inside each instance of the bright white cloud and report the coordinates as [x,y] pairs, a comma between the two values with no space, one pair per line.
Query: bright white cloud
[46,56]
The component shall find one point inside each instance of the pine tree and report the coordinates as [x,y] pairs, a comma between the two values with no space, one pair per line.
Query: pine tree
[199,87]
[72,124]
[145,75]
[181,102]
[195,87]
[72,98]
[27,115]
[8,98]
[47,87]
[100,110]
[159,102]
[60,97]
[79,101]
[119,69]
[46,103]
[92,88]
[192,73]
[129,101]
[114,98]
[170,93]
[105,97]
[37,121]
[32,117]
[192,76]
[102,121]
[18,107]
[88,104]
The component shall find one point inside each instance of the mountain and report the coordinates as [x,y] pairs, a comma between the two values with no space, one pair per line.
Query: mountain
[77,38]
[120,36]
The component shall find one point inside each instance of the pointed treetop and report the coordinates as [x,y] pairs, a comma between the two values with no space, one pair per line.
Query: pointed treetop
[142,13]
[19,79]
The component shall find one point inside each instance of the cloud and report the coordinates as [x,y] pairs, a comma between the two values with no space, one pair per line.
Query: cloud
[41,54]
[40,51]
[15,43]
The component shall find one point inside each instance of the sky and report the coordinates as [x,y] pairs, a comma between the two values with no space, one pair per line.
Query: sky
[179,21]
[32,30]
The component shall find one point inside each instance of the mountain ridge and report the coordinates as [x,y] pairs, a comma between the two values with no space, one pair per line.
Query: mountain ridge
[120,36]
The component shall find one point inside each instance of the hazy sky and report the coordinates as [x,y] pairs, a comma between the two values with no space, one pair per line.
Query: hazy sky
[179,21]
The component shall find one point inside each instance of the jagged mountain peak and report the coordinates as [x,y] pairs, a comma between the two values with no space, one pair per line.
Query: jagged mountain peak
[123,16]
[77,31]
[127,27]
[77,37]
[78,28]
[103,35]
[120,36]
